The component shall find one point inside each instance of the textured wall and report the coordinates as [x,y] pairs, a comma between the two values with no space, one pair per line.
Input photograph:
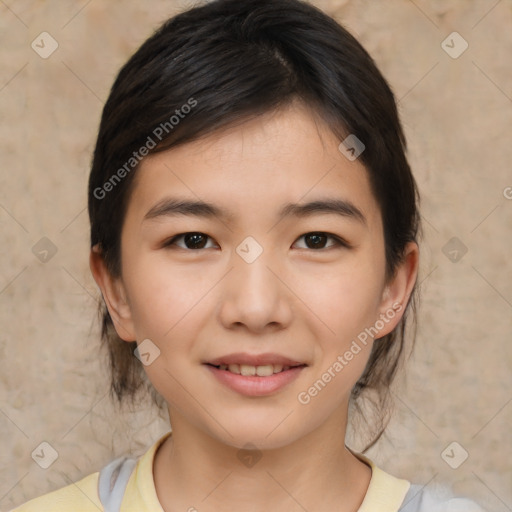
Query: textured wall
[457,114]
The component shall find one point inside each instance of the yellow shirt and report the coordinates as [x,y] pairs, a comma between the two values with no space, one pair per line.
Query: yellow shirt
[385,492]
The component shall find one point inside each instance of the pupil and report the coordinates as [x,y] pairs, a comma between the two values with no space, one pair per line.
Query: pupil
[317,239]
[195,238]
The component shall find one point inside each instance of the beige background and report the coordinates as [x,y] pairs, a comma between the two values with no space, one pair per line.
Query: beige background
[457,115]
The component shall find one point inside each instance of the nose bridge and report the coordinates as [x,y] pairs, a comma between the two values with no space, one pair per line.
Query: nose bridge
[254,295]
[251,261]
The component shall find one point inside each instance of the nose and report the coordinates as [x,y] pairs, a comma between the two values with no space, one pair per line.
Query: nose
[255,295]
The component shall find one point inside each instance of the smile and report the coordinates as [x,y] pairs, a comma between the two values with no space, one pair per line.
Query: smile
[255,381]
[249,370]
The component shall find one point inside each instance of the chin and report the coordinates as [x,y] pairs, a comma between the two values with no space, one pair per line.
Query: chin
[265,435]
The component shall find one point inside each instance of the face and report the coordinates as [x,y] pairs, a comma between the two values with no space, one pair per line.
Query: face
[278,263]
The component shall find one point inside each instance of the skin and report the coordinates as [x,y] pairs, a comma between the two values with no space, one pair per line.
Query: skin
[303,302]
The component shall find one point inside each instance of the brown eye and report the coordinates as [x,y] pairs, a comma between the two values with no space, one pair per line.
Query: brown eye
[192,240]
[317,240]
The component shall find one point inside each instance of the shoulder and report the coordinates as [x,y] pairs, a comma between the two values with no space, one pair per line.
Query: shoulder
[386,492]
[438,499]
[81,495]
[126,479]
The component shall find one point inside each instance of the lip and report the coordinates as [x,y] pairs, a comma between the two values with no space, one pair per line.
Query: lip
[252,385]
[254,359]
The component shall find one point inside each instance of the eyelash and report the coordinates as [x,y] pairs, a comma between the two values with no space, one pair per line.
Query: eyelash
[338,242]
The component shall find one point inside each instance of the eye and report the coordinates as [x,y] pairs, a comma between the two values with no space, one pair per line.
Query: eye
[193,240]
[318,239]
[314,240]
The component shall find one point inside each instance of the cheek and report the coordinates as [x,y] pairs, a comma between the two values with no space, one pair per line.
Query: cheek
[345,299]
[348,304]
[162,296]
[166,307]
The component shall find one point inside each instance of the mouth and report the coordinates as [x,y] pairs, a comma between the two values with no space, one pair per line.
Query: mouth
[248,370]
[255,375]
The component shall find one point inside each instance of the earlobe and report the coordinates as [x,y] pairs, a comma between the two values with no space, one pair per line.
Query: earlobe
[397,292]
[114,295]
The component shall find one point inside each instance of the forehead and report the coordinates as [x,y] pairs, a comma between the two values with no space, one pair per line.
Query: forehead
[285,156]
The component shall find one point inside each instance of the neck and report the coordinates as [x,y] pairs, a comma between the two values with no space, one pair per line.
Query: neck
[314,472]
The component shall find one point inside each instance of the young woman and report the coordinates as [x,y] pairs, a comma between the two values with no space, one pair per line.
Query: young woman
[254,230]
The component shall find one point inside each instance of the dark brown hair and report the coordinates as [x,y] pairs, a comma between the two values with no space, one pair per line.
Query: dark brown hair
[226,62]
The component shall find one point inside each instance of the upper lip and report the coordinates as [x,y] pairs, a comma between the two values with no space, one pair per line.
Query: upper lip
[254,360]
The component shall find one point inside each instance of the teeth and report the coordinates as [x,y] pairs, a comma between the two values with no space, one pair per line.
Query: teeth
[249,370]
[234,368]
[246,369]
[264,371]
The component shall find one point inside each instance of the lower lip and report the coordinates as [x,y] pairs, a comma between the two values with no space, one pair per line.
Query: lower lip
[252,385]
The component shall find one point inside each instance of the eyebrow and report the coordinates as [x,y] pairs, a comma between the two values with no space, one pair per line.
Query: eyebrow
[170,207]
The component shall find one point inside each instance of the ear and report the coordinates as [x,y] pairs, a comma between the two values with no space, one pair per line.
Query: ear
[397,291]
[114,295]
